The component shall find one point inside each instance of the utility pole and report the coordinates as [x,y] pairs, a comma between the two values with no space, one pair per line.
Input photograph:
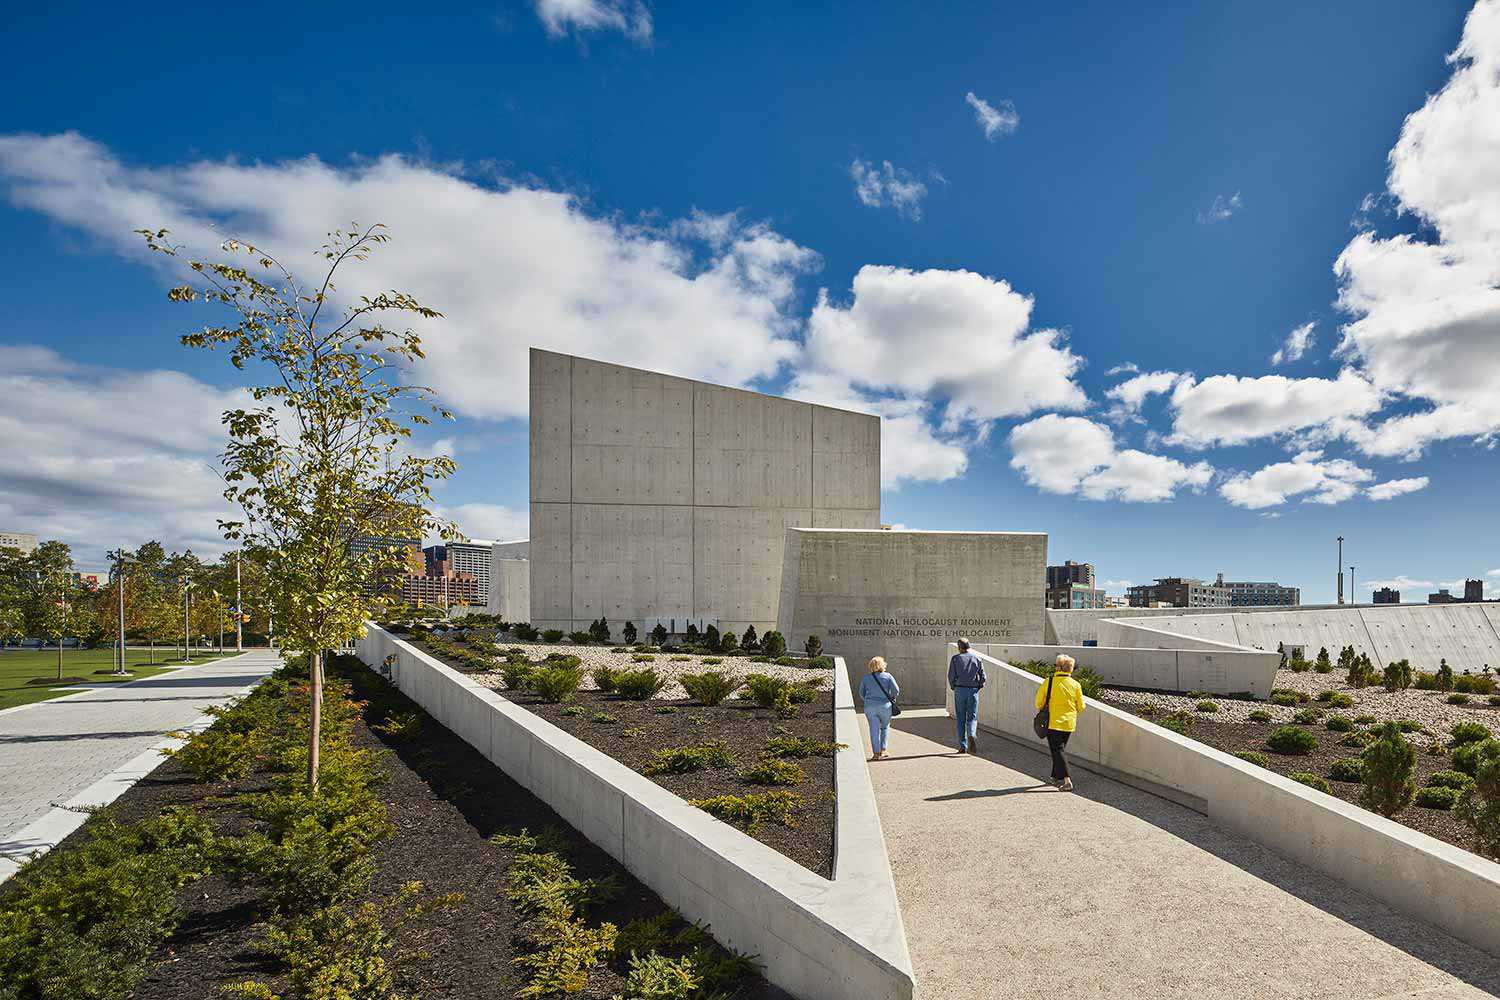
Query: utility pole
[1353,597]
[187,649]
[239,607]
[120,561]
[1341,569]
[62,603]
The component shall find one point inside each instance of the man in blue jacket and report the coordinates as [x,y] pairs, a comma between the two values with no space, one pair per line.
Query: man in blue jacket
[965,677]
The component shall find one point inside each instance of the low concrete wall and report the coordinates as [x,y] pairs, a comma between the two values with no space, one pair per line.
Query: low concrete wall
[1232,672]
[818,939]
[1412,872]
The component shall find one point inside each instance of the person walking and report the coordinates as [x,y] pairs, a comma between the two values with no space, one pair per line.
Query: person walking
[1064,700]
[965,677]
[879,691]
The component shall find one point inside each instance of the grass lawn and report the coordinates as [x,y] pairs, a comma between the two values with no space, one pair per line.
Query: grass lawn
[18,667]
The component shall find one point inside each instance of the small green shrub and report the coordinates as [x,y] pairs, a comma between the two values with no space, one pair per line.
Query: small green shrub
[728,643]
[1311,780]
[1341,700]
[567,660]
[553,635]
[603,718]
[773,644]
[401,726]
[644,658]
[1308,716]
[633,731]
[1253,757]
[800,747]
[657,977]
[1357,739]
[756,659]
[710,687]
[1468,732]
[1468,757]
[1449,779]
[1408,726]
[1291,740]
[1148,708]
[1260,715]
[1178,722]
[1495,700]
[681,659]
[665,710]
[218,754]
[1326,695]
[1350,769]
[1386,784]
[774,771]
[1340,724]
[1474,684]
[555,684]
[684,760]
[1437,749]
[813,647]
[1437,797]
[1284,698]
[1365,720]
[639,685]
[1208,707]
[1458,699]
[648,934]
[525,632]
[752,811]
[605,678]
[1478,806]
[573,710]
[581,638]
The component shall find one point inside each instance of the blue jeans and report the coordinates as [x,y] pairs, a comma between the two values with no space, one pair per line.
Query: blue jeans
[880,725]
[966,714]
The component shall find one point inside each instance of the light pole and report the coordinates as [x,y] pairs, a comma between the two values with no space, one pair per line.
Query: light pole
[121,560]
[1353,598]
[1341,569]
[187,655]
[239,607]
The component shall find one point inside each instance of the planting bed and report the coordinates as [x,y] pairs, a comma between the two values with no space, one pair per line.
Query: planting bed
[1234,736]
[445,801]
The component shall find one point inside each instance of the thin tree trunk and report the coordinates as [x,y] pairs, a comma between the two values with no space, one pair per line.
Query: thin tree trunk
[153,651]
[315,662]
[59,657]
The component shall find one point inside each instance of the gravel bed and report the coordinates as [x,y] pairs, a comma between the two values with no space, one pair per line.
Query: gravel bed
[1427,708]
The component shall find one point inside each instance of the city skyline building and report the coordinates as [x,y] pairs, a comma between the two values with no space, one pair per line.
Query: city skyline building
[1178,592]
[1386,595]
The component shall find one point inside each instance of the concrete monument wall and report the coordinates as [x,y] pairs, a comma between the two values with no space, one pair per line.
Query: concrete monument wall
[896,593]
[660,498]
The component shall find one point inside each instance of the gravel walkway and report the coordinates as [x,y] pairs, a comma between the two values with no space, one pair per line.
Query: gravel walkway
[670,665]
[1427,708]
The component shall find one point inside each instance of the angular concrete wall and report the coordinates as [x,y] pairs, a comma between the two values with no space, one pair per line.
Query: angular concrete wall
[893,593]
[660,498]
[1419,875]
[510,589]
[1226,670]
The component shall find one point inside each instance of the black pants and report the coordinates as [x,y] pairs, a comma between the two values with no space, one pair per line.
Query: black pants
[1056,741]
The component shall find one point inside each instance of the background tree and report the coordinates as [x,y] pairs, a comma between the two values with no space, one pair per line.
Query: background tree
[320,460]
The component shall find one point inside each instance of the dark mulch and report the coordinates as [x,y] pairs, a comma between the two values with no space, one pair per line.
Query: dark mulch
[445,801]
[640,729]
[1232,736]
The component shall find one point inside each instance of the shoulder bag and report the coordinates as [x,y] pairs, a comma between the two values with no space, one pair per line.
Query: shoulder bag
[1044,716]
[895,705]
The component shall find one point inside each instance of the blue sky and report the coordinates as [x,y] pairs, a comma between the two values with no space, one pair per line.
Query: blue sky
[809,201]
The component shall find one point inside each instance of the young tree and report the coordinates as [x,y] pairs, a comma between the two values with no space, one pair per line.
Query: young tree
[321,459]
[629,633]
[1386,783]
[749,642]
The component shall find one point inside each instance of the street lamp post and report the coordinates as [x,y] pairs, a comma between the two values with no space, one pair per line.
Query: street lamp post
[1341,569]
[239,607]
[187,655]
[121,560]
[1353,599]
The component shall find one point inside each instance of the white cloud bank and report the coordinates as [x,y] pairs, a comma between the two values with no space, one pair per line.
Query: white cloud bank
[993,119]
[882,185]
[1060,454]
[560,17]
[1308,475]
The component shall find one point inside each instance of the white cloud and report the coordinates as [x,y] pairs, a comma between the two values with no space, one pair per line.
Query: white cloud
[492,522]
[1130,395]
[1234,409]
[1128,368]
[1116,584]
[632,19]
[1426,314]
[1308,475]
[1401,582]
[1396,487]
[1000,119]
[953,334]
[510,267]
[1297,343]
[1221,209]
[883,185]
[1060,454]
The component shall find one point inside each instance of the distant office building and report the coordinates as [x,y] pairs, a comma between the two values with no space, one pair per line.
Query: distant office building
[1259,595]
[1442,597]
[1473,591]
[18,540]
[1386,595]
[471,559]
[435,560]
[1179,592]
[1070,573]
[411,558]
[454,590]
[1076,595]
[90,581]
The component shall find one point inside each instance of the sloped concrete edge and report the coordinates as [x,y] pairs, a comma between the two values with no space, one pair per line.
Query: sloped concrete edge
[819,939]
[1420,876]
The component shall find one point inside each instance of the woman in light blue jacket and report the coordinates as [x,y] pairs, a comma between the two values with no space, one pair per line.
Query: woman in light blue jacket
[878,690]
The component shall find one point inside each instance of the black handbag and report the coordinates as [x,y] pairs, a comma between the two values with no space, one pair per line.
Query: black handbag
[895,705]
[1043,719]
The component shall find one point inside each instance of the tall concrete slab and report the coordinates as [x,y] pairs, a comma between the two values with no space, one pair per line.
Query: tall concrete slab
[895,593]
[656,497]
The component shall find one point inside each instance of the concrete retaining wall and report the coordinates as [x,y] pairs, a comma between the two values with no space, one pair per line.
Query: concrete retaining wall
[818,939]
[1218,671]
[1412,872]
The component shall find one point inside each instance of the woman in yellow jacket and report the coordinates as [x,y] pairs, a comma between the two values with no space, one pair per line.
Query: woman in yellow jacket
[1062,717]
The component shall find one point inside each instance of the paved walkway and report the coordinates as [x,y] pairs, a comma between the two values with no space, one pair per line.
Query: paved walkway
[1160,902]
[52,750]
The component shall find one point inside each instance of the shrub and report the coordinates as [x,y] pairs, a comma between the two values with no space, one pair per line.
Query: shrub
[684,760]
[581,638]
[785,661]
[401,726]
[1436,749]
[1284,698]
[659,634]
[573,710]
[1357,739]
[1425,681]
[728,644]
[555,684]
[752,811]
[1298,665]
[646,649]
[1178,722]
[1468,732]
[1474,684]
[517,675]
[1364,720]
[774,771]
[710,687]
[219,753]
[1478,806]
[773,644]
[648,934]
[1449,779]
[629,634]
[604,718]
[1291,740]
[561,660]
[1323,664]
[1408,726]
[750,642]
[766,690]
[657,977]
[1444,676]
[1340,724]
[1253,757]
[1326,695]
[553,635]
[712,661]
[1458,699]
[1260,715]
[1436,798]
[1208,707]
[599,631]
[644,658]
[1495,700]
[826,663]
[639,685]
[1386,786]
[813,647]
[1308,716]
[525,632]
[606,677]
[711,638]
[1350,769]
[1340,700]
[1311,780]
[1148,708]
[1468,757]
[799,746]
[665,710]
